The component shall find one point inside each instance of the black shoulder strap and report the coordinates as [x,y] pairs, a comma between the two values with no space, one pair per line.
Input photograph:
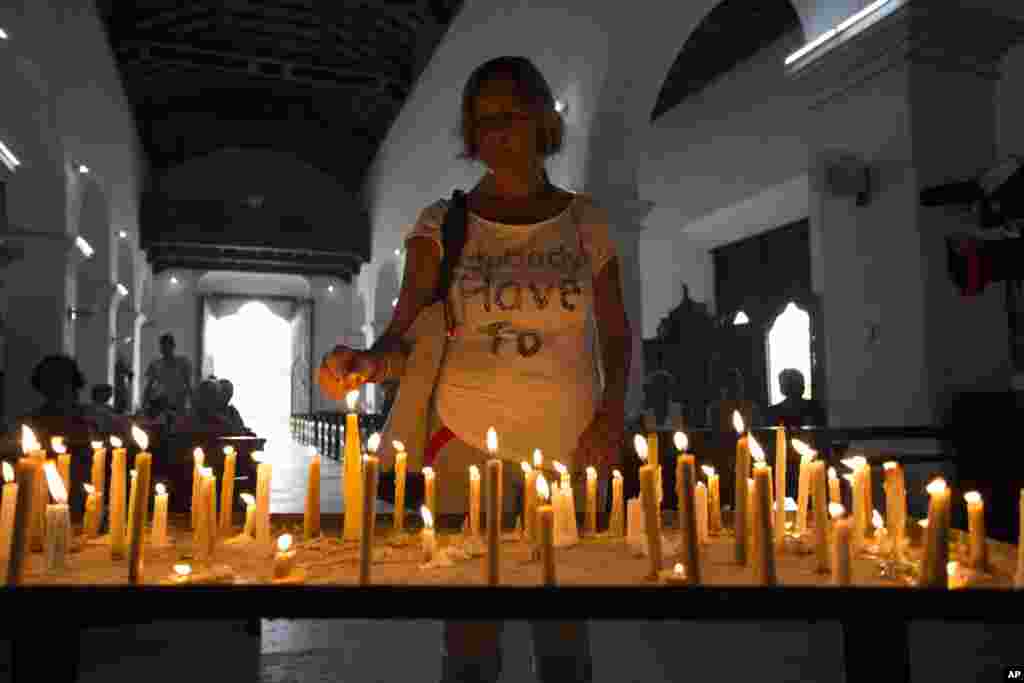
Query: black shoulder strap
[453,237]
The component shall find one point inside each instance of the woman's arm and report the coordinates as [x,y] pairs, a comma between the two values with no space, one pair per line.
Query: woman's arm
[616,339]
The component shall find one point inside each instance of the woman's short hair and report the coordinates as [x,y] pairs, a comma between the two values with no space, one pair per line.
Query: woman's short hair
[57,367]
[534,89]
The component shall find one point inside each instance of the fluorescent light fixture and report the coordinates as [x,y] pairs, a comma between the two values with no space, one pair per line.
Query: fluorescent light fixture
[123,235]
[741,319]
[84,247]
[122,290]
[82,168]
[843,26]
[7,156]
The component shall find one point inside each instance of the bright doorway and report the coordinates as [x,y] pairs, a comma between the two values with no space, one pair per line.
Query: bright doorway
[789,346]
[253,348]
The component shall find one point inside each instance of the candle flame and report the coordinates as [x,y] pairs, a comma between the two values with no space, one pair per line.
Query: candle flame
[617,474]
[199,456]
[398,446]
[538,458]
[140,437]
[474,472]
[804,450]
[848,477]
[257,456]
[248,499]
[8,472]
[116,442]
[923,523]
[428,472]
[373,443]
[57,445]
[526,467]
[183,569]
[936,487]
[700,485]
[56,483]
[876,519]
[284,542]
[132,473]
[681,441]
[972,497]
[428,519]
[351,398]
[832,473]
[591,473]
[679,568]
[790,504]
[542,488]
[640,444]
[89,489]
[737,422]
[836,510]
[492,440]
[29,443]
[161,490]
[229,450]
[890,465]
[708,470]
[96,445]
[952,567]
[755,450]
[559,467]
[855,462]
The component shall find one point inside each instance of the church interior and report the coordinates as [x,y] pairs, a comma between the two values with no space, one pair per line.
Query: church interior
[816,207]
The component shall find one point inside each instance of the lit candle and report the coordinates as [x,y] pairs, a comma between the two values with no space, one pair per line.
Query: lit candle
[878,522]
[40,497]
[264,474]
[311,521]
[210,501]
[494,493]
[370,468]
[227,490]
[834,495]
[841,545]
[99,469]
[58,523]
[199,460]
[764,549]
[352,478]
[617,523]
[118,490]
[546,530]
[400,465]
[686,471]
[93,508]
[474,501]
[780,485]
[26,477]
[429,492]
[131,504]
[591,516]
[701,499]
[860,513]
[896,505]
[141,482]
[182,574]
[654,455]
[976,528]
[7,510]
[648,498]
[807,455]
[565,506]
[284,559]
[250,515]
[529,502]
[821,504]
[742,473]
[427,536]
[933,567]
[558,506]
[636,533]
[957,578]
[1018,578]
[676,577]
[159,538]
[63,460]
[714,500]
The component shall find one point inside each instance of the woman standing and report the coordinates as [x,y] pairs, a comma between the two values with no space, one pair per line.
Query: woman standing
[523,360]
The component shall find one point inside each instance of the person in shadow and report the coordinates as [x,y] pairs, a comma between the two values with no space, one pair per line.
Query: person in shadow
[227,411]
[794,410]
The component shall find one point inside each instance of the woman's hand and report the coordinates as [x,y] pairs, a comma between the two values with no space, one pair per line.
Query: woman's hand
[345,369]
[600,444]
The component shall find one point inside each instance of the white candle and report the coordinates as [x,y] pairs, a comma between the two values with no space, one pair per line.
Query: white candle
[546,531]
[400,468]
[284,559]
[311,520]
[118,490]
[250,515]
[58,523]
[617,524]
[7,510]
[841,545]
[227,490]
[742,495]
[199,459]
[264,473]
[140,509]
[494,474]
[933,567]
[591,515]
[159,538]
[714,501]
[428,539]
[369,510]
[474,501]
[780,485]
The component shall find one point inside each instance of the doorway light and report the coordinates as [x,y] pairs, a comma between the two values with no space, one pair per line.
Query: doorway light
[858,20]
[84,247]
[741,319]
[7,156]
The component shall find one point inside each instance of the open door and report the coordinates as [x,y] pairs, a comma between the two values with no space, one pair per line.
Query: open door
[302,352]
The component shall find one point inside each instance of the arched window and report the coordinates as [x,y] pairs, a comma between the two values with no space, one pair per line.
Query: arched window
[789,346]
[741,319]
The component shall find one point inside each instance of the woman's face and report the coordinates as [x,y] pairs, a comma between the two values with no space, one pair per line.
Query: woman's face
[507,128]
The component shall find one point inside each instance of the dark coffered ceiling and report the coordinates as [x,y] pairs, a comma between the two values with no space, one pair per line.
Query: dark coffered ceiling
[321,80]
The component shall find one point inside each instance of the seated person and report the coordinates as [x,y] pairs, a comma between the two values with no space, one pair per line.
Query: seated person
[228,411]
[58,379]
[794,410]
[107,421]
[205,415]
